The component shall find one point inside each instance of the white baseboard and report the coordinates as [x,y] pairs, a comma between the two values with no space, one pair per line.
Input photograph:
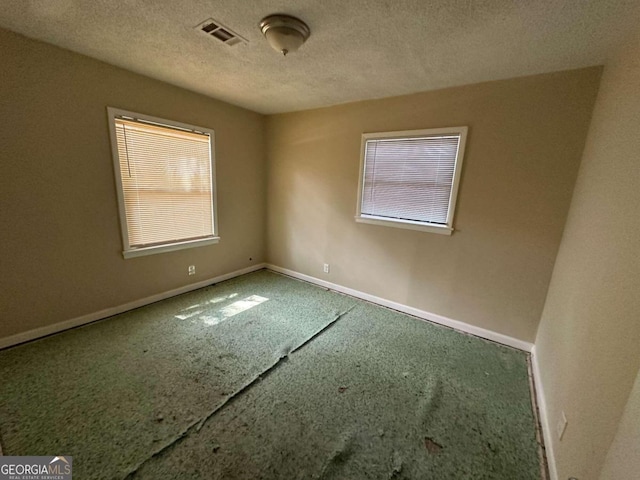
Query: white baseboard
[108,312]
[545,421]
[432,317]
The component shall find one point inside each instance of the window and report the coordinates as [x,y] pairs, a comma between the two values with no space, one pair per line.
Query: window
[165,176]
[410,179]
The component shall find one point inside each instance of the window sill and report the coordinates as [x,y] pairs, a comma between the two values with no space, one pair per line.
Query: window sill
[139,252]
[406,224]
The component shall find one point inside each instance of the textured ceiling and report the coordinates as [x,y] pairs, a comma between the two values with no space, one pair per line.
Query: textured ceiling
[359,49]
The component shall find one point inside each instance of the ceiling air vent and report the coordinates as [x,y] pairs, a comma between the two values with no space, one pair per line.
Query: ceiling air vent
[214,29]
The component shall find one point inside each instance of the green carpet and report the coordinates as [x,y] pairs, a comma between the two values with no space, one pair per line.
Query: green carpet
[267,377]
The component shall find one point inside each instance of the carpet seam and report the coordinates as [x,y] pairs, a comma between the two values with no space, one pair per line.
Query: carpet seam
[198,424]
[391,309]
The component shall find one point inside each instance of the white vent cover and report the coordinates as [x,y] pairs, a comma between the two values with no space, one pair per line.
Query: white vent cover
[216,30]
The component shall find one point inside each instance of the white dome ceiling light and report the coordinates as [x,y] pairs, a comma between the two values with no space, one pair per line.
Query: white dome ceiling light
[284,33]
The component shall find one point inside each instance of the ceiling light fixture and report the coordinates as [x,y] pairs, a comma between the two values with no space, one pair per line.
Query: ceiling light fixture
[284,33]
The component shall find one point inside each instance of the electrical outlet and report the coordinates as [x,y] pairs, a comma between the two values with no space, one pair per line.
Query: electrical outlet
[326,268]
[192,269]
[561,426]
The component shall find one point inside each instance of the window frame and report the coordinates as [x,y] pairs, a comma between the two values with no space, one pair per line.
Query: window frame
[132,252]
[445,229]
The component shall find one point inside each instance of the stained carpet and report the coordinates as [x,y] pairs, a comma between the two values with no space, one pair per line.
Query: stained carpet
[266,377]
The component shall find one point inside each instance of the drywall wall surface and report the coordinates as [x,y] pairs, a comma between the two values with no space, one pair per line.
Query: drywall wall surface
[526,137]
[623,459]
[587,343]
[60,234]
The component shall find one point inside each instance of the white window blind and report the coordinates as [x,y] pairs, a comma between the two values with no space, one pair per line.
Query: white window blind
[410,178]
[166,183]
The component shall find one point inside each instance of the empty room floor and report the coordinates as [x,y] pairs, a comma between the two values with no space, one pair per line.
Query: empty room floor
[264,376]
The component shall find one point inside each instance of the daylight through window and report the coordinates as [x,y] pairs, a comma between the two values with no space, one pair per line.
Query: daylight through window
[165,175]
[410,179]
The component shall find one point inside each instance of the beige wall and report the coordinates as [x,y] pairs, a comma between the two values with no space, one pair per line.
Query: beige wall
[589,336]
[60,232]
[623,459]
[61,241]
[526,138]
